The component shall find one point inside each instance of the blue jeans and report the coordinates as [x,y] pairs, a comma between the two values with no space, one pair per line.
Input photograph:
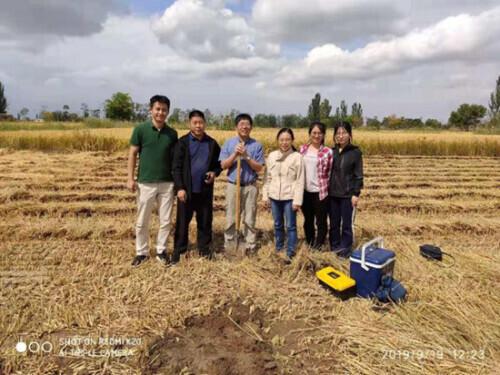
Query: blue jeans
[283,213]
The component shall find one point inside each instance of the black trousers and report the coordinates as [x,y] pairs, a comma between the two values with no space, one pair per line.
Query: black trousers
[341,223]
[202,204]
[315,214]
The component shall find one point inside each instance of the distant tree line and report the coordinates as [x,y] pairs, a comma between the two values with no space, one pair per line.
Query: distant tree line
[121,107]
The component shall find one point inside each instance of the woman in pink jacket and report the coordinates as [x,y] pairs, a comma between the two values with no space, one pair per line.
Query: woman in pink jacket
[318,164]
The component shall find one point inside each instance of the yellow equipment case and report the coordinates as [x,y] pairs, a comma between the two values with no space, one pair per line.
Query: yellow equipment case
[337,282]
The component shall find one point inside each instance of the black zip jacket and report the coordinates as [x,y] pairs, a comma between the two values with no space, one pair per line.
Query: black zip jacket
[346,178]
[181,165]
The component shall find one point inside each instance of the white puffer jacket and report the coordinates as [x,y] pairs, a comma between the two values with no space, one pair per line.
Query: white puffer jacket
[284,178]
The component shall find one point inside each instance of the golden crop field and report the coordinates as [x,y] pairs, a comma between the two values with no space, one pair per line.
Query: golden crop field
[67,240]
[372,142]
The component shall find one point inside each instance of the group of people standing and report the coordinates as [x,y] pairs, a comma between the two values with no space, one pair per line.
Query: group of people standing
[320,181]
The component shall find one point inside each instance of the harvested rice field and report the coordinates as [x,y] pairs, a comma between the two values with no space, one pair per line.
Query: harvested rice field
[446,143]
[71,303]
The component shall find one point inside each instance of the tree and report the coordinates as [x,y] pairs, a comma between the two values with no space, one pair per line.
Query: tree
[228,120]
[356,121]
[141,111]
[265,121]
[65,112]
[261,120]
[273,121]
[291,121]
[356,110]
[373,123]
[467,116]
[494,104]
[3,99]
[47,116]
[23,113]
[324,110]
[120,107]
[175,116]
[314,113]
[341,112]
[337,116]
[73,117]
[343,109]
[209,117]
[392,122]
[85,110]
[432,123]
[356,115]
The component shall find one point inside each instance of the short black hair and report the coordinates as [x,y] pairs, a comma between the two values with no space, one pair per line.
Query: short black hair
[196,113]
[160,99]
[243,116]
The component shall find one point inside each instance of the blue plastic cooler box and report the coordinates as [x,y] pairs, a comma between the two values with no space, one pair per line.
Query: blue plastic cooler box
[369,264]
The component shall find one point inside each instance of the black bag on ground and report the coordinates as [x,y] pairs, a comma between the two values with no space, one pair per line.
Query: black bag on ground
[431,252]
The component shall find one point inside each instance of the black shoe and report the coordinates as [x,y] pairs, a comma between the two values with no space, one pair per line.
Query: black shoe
[288,260]
[251,250]
[138,260]
[176,257]
[318,247]
[163,258]
[344,253]
[206,253]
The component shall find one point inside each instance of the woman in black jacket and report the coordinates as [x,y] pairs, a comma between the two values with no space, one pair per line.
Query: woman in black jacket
[346,182]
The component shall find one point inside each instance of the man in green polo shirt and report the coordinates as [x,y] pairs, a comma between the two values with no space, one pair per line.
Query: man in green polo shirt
[154,142]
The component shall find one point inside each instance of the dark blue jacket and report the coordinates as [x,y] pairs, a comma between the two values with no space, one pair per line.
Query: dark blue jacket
[181,165]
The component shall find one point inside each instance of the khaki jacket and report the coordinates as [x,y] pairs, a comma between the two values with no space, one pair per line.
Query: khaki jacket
[285,177]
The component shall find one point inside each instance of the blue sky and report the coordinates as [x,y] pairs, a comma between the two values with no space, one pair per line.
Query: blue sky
[262,56]
[149,7]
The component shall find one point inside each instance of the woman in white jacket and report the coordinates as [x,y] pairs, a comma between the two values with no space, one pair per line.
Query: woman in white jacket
[284,190]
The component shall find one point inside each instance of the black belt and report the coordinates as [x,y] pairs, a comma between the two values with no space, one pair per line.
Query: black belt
[242,184]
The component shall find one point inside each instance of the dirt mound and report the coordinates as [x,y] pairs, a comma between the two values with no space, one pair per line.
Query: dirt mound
[224,342]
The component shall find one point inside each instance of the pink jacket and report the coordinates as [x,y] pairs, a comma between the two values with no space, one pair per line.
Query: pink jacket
[325,160]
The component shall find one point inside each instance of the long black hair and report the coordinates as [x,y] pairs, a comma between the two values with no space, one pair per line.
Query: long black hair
[289,131]
[320,126]
[346,126]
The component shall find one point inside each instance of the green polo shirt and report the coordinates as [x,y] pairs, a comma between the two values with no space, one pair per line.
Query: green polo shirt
[156,148]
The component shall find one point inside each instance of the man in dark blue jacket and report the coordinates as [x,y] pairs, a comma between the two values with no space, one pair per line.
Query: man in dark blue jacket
[194,168]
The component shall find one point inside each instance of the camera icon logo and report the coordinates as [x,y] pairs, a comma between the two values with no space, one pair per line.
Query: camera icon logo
[21,347]
[34,347]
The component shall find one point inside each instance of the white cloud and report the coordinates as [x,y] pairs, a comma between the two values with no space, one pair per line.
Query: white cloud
[124,56]
[57,17]
[327,21]
[462,37]
[411,63]
[32,25]
[207,31]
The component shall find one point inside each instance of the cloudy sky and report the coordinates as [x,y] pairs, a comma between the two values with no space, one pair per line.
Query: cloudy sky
[411,58]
